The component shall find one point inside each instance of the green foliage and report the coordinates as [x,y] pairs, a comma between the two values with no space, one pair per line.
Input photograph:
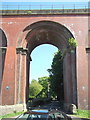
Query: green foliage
[56,76]
[72,42]
[44,82]
[29,12]
[34,88]
[83,113]
[10,115]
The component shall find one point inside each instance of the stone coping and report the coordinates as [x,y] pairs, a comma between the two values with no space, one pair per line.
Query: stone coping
[35,12]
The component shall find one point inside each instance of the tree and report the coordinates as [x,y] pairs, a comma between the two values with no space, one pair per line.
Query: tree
[56,76]
[34,88]
[44,82]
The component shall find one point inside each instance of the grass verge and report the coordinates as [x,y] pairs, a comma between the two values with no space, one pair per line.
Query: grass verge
[10,115]
[83,113]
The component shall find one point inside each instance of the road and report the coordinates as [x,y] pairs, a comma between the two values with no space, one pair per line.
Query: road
[53,105]
[56,105]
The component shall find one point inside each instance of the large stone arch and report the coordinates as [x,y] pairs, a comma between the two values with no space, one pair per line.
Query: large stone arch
[46,32]
[46,26]
[3,45]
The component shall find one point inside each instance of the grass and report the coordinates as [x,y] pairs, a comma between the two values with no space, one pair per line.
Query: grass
[10,115]
[80,113]
[83,113]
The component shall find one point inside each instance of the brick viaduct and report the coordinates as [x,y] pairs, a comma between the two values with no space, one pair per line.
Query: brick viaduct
[21,33]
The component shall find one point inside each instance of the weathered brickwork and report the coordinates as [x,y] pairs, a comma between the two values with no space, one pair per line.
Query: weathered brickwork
[24,33]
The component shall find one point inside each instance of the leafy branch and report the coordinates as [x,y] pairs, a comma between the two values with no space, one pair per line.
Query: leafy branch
[72,42]
[72,45]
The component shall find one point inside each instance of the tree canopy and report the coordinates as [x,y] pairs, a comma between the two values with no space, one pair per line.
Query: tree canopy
[34,88]
[56,76]
[44,82]
[52,84]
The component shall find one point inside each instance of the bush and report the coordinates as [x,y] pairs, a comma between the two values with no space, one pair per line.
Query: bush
[72,42]
[29,12]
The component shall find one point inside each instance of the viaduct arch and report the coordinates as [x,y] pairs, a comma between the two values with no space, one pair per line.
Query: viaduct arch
[48,32]
[33,34]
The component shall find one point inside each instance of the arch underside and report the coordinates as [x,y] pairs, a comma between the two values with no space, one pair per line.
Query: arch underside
[46,32]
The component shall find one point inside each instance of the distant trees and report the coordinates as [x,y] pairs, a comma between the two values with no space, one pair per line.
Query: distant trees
[44,81]
[53,83]
[39,88]
[56,76]
[34,88]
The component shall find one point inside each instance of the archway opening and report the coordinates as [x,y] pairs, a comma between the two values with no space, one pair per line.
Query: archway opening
[49,32]
[41,60]
[3,45]
[41,63]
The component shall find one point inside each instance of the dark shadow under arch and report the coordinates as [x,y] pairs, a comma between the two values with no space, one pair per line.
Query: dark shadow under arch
[3,45]
[48,32]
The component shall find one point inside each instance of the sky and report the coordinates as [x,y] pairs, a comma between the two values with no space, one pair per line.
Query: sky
[13,5]
[42,57]
[44,1]
[47,4]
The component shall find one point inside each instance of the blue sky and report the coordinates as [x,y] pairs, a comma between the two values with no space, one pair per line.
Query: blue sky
[36,4]
[44,1]
[42,57]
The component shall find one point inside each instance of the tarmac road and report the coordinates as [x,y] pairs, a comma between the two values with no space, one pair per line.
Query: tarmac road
[54,105]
